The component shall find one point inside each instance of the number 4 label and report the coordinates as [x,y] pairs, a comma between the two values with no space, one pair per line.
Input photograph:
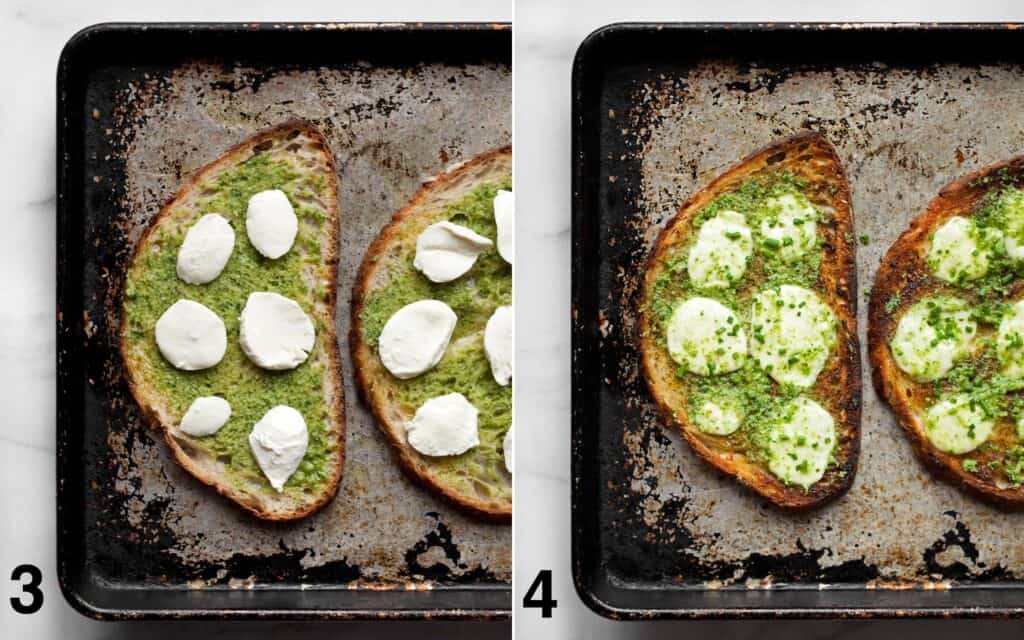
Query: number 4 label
[545,603]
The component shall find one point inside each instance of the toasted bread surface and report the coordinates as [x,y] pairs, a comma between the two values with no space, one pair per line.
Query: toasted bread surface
[995,470]
[295,158]
[808,164]
[477,480]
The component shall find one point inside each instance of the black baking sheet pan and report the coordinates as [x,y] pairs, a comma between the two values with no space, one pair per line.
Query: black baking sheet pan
[658,111]
[140,108]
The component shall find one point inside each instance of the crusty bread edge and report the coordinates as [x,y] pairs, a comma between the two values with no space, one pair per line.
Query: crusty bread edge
[332,374]
[904,258]
[845,306]
[361,352]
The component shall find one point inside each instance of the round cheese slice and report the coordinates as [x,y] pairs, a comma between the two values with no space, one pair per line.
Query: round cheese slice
[1010,341]
[955,255]
[499,344]
[206,249]
[191,336]
[271,224]
[957,425]
[719,257]
[279,442]
[505,219]
[205,416]
[790,228]
[274,332]
[445,251]
[444,426]
[719,418]
[506,447]
[792,334]
[932,335]
[801,443]
[705,337]
[415,338]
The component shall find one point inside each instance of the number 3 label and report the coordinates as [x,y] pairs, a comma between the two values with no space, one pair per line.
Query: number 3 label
[31,598]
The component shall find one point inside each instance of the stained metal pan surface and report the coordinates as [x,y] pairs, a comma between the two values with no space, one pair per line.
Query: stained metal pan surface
[140,108]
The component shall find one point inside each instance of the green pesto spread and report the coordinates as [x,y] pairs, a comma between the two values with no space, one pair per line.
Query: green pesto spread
[760,400]
[464,368]
[989,376]
[152,286]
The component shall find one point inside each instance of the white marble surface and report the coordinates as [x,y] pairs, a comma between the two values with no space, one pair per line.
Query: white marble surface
[32,33]
[547,35]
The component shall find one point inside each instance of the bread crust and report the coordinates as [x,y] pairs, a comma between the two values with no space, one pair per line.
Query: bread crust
[149,402]
[366,363]
[903,272]
[811,157]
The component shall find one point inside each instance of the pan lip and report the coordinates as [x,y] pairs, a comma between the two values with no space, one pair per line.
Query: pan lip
[493,599]
[588,568]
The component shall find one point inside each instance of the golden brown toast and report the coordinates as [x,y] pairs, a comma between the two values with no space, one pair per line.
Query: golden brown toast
[809,160]
[904,278]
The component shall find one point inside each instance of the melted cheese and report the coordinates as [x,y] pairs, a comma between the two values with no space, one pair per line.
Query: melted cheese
[1010,341]
[957,425]
[956,253]
[793,332]
[932,336]
[1012,203]
[790,227]
[719,257]
[717,418]
[705,337]
[801,444]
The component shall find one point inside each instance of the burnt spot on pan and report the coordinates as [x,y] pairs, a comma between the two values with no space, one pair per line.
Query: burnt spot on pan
[954,556]
[437,557]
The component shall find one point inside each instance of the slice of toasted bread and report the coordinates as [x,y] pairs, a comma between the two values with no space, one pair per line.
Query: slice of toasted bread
[477,480]
[904,278]
[808,158]
[295,158]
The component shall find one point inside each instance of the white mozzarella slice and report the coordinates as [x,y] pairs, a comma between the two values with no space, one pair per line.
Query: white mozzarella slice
[445,251]
[719,256]
[499,344]
[506,446]
[274,332]
[800,445]
[444,426]
[957,425]
[191,336]
[505,219]
[955,255]
[705,337]
[1010,341]
[790,226]
[205,416]
[271,223]
[932,336]
[1020,427]
[415,338]
[206,249]
[278,442]
[793,332]
[717,418]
